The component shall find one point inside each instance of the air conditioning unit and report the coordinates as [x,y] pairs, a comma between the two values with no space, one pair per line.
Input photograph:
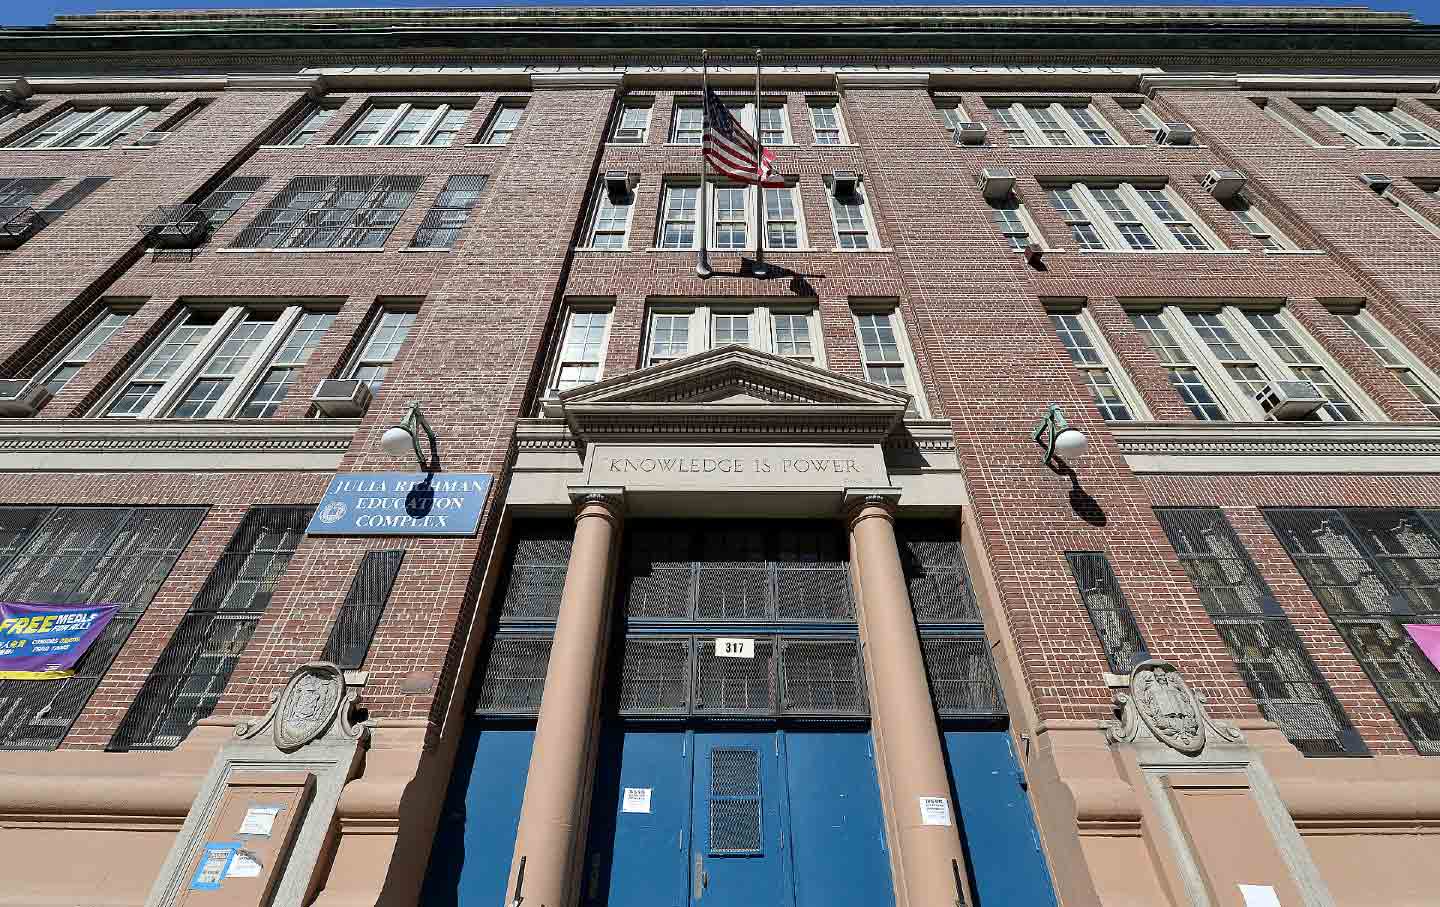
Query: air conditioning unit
[342,398]
[996,183]
[618,183]
[1034,254]
[1377,181]
[1224,184]
[18,225]
[844,182]
[148,139]
[176,226]
[1411,140]
[970,133]
[1175,134]
[20,397]
[629,136]
[1286,401]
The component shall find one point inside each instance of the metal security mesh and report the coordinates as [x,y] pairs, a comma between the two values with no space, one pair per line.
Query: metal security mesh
[1269,655]
[735,686]
[83,555]
[16,524]
[324,212]
[737,571]
[735,801]
[446,218]
[514,677]
[354,627]
[1109,614]
[962,676]
[935,572]
[655,677]
[535,575]
[1373,572]
[193,670]
[822,677]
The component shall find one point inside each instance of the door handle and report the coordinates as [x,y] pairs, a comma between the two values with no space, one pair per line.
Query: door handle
[702,878]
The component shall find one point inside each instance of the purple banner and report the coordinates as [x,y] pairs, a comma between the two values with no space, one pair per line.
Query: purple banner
[43,642]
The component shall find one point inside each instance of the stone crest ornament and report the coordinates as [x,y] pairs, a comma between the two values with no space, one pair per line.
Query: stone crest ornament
[1158,700]
[314,699]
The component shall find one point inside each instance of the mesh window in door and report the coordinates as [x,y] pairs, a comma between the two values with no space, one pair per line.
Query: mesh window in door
[1268,653]
[195,666]
[735,802]
[446,218]
[354,626]
[514,678]
[935,572]
[655,676]
[1109,613]
[82,555]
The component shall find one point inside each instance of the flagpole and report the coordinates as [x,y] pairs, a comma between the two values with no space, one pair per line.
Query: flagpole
[702,262]
[759,180]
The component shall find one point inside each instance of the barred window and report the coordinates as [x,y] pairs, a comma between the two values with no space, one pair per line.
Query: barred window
[1374,571]
[1110,614]
[1268,653]
[446,218]
[81,555]
[195,666]
[330,212]
[219,206]
[354,627]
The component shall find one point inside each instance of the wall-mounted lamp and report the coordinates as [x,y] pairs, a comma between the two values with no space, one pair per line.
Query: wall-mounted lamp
[404,438]
[1060,438]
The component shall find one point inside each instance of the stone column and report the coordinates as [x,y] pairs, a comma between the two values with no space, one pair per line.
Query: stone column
[928,860]
[551,835]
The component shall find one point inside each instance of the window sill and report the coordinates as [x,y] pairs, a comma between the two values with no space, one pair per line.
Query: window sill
[474,145]
[417,249]
[749,250]
[878,250]
[336,147]
[229,250]
[1163,251]
[1292,251]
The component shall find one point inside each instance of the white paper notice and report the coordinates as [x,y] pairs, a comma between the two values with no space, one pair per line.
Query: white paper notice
[637,800]
[935,811]
[1259,896]
[734,648]
[245,866]
[259,820]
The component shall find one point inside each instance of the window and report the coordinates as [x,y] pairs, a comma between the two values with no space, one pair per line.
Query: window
[219,206]
[952,112]
[1146,119]
[851,217]
[582,351]
[1374,571]
[679,216]
[18,198]
[82,555]
[774,125]
[19,194]
[732,216]
[96,127]
[1110,615]
[220,363]
[1184,377]
[503,123]
[1419,380]
[1240,353]
[677,330]
[446,218]
[1111,391]
[826,120]
[328,212]
[1377,126]
[1267,651]
[688,124]
[184,115]
[60,370]
[303,126]
[1257,224]
[886,354]
[378,352]
[195,666]
[610,222]
[1014,223]
[1129,218]
[784,225]
[632,127]
[354,627]
[1038,123]
[406,125]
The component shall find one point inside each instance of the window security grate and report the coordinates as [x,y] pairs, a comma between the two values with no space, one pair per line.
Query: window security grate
[355,625]
[81,555]
[735,686]
[327,212]
[1268,653]
[535,576]
[446,218]
[656,676]
[963,682]
[193,670]
[1375,570]
[514,677]
[735,801]
[1109,614]
[935,572]
[822,677]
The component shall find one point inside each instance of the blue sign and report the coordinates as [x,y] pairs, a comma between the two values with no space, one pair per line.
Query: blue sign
[401,503]
[214,865]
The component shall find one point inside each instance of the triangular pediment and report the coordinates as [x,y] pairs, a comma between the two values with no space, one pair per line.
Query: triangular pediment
[732,389]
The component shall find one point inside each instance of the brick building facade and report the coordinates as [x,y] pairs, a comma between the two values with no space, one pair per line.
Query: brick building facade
[773,596]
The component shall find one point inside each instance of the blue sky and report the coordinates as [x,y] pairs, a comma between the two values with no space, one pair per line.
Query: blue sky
[39,12]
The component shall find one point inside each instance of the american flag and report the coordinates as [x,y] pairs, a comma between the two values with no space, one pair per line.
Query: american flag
[732,150]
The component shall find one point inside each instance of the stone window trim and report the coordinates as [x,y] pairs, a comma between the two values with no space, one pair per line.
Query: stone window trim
[433,123]
[1261,227]
[633,113]
[1088,207]
[704,325]
[1249,349]
[384,333]
[827,120]
[576,341]
[1102,365]
[1421,381]
[1012,218]
[951,111]
[193,353]
[608,224]
[1052,122]
[673,213]
[84,126]
[96,331]
[905,360]
[503,120]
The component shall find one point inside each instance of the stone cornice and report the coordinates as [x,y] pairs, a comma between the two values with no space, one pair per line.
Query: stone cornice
[55,445]
[1280,447]
[312,84]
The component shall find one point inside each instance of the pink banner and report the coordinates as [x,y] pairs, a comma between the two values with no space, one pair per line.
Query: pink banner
[1427,637]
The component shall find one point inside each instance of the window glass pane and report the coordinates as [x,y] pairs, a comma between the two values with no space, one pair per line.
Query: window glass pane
[669,336]
[367,130]
[677,230]
[792,336]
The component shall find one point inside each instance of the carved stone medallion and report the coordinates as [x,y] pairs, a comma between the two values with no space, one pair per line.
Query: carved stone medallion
[1159,700]
[308,705]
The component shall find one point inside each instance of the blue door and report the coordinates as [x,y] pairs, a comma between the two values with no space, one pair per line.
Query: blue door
[1003,847]
[737,854]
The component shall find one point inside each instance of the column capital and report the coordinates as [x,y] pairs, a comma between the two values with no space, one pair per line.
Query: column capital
[861,503]
[609,497]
